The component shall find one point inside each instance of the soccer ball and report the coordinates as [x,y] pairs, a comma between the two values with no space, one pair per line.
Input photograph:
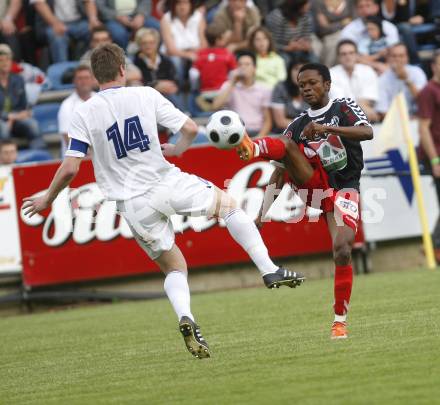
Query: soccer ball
[225,129]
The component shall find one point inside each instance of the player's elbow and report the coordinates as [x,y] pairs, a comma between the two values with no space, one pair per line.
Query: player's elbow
[190,128]
[70,172]
[70,169]
[369,134]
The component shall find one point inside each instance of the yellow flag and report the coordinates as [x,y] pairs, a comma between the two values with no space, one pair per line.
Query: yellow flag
[390,134]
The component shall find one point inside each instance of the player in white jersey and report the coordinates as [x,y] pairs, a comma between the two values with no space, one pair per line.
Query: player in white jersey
[119,124]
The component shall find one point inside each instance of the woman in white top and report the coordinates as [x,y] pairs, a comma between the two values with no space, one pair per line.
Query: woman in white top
[183,33]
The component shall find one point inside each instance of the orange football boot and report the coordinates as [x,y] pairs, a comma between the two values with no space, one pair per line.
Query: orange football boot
[246,149]
[339,330]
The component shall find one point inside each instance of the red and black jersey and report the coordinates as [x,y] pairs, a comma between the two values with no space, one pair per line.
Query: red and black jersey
[342,158]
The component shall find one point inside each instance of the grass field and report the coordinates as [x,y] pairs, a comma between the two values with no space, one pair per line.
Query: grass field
[269,347]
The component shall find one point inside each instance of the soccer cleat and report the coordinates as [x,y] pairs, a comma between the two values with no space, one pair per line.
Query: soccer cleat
[246,149]
[283,276]
[194,341]
[339,330]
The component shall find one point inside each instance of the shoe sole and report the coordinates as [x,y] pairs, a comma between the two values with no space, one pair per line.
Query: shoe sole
[196,348]
[288,283]
[338,337]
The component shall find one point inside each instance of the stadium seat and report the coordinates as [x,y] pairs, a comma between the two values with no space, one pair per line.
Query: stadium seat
[47,117]
[33,155]
[427,38]
[55,74]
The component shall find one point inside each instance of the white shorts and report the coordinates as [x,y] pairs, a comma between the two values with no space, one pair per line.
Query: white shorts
[148,215]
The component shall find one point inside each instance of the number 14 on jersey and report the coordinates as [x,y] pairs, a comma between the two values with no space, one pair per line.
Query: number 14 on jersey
[134,137]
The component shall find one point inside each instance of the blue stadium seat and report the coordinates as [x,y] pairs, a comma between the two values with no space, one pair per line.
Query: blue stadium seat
[424,28]
[33,155]
[47,117]
[55,74]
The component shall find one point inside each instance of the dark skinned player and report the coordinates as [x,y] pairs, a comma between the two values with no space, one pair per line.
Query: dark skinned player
[320,155]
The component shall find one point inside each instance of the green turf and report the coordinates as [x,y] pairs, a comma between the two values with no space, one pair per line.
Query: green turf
[269,347]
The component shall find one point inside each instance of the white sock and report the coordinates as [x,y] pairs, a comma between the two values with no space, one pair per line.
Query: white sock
[340,318]
[177,290]
[246,234]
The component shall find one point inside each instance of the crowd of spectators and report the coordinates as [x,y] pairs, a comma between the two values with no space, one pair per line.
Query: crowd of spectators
[207,55]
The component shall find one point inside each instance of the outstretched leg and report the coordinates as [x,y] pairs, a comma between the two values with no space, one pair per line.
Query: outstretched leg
[245,233]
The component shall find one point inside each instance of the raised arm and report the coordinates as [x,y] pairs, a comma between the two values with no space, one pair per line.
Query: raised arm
[223,97]
[64,175]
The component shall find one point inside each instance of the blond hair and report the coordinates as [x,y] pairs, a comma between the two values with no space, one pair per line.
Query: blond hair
[5,50]
[143,32]
[106,60]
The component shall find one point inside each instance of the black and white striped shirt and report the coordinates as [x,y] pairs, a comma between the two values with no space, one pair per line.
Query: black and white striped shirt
[283,31]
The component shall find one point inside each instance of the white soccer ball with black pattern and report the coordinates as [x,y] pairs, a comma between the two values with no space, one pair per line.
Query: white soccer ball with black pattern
[225,129]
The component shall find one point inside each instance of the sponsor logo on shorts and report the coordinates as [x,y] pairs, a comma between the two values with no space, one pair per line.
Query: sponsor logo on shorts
[347,206]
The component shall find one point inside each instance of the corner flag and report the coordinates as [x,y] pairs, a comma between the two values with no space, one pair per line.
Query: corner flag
[395,124]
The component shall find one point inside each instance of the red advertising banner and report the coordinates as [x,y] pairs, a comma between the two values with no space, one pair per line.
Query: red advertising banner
[83,238]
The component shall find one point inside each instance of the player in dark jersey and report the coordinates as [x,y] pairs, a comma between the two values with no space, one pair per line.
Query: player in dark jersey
[321,156]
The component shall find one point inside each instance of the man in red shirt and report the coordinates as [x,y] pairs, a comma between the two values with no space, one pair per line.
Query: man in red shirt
[429,131]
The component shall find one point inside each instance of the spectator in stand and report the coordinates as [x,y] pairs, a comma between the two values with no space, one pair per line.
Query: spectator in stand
[377,42]
[84,82]
[8,152]
[34,80]
[429,132]
[9,10]
[287,102]
[251,100]
[16,120]
[291,26]
[357,29]
[354,80]
[400,77]
[374,48]
[330,17]
[183,33]
[99,36]
[237,19]
[157,70]
[124,18]
[66,20]
[271,67]
[406,15]
[211,69]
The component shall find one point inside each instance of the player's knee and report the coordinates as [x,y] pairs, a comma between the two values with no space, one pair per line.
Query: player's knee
[289,144]
[224,204]
[172,260]
[342,253]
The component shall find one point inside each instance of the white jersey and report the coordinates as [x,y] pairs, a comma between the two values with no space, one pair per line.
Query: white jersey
[120,125]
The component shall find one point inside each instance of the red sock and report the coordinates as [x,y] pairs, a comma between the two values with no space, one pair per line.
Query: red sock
[343,283]
[271,148]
